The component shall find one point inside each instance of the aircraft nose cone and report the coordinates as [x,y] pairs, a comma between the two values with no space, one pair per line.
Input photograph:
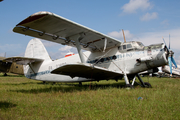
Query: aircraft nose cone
[171,53]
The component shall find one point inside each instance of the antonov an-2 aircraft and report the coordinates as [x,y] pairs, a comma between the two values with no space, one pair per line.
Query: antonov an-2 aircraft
[105,57]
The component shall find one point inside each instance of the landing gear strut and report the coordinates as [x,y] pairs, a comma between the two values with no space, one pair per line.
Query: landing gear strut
[143,84]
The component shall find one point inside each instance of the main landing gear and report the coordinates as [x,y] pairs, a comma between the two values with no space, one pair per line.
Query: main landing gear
[142,84]
[5,74]
[80,83]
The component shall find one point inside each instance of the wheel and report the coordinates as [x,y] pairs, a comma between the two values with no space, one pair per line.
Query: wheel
[147,85]
[159,76]
[129,86]
[5,74]
[80,83]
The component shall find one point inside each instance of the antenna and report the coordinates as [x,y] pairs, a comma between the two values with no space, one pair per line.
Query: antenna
[124,35]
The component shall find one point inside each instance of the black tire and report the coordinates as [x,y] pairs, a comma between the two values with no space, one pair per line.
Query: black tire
[147,85]
[129,86]
[5,74]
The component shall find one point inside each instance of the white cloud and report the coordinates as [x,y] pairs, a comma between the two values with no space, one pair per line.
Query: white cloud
[48,43]
[149,16]
[65,48]
[119,35]
[135,5]
[165,23]
[156,37]
[62,52]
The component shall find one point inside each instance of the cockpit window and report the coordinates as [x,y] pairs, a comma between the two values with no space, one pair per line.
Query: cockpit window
[129,46]
[124,47]
[140,44]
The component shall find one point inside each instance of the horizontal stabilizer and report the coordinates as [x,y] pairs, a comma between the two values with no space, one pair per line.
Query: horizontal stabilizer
[22,60]
[87,71]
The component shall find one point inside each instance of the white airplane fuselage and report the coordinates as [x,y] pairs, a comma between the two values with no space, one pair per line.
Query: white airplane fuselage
[131,62]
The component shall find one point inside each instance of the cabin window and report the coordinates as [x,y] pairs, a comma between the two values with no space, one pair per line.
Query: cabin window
[153,47]
[158,46]
[129,46]
[124,47]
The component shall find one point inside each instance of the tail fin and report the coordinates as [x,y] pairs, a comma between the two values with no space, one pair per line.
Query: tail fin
[36,49]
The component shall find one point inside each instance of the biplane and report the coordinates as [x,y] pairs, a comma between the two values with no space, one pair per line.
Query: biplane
[100,57]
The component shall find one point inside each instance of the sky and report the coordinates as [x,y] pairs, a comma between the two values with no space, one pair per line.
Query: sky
[146,21]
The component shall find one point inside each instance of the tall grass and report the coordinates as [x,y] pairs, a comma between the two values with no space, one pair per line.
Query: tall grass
[22,98]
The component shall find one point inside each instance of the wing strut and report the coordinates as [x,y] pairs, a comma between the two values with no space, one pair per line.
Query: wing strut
[77,39]
[31,67]
[105,44]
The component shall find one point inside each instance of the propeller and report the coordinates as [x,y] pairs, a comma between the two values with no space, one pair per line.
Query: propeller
[170,57]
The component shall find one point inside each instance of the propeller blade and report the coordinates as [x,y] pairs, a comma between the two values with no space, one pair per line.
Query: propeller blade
[165,43]
[170,65]
[173,61]
[170,54]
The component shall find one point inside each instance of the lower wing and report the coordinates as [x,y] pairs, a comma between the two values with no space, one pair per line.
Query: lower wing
[87,71]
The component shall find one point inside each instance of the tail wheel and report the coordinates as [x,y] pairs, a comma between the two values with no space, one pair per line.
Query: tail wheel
[147,85]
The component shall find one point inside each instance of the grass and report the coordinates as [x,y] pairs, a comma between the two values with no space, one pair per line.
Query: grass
[22,98]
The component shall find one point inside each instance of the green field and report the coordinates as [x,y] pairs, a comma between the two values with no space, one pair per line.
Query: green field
[26,99]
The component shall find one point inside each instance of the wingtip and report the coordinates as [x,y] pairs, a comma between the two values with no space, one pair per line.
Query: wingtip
[33,17]
[41,13]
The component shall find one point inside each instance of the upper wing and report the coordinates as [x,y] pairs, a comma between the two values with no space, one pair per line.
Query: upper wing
[23,60]
[87,71]
[51,27]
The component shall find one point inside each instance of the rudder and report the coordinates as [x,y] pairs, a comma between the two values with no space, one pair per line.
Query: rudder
[36,49]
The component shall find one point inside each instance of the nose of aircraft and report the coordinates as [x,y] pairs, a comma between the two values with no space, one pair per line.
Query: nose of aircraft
[169,56]
[171,60]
